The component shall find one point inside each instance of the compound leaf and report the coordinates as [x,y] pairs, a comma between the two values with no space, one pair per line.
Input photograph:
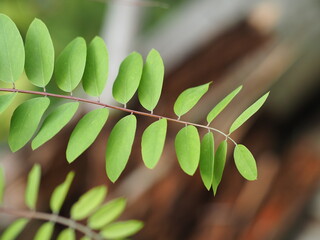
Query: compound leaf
[152,143]
[54,123]
[2,185]
[14,229]
[187,145]
[207,159]
[45,231]
[219,163]
[86,131]
[121,230]
[67,234]
[150,87]
[12,53]
[25,120]
[245,162]
[39,54]
[70,65]
[96,71]
[128,79]
[6,100]
[119,146]
[32,188]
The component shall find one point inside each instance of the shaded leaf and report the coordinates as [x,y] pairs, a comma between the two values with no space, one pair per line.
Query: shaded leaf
[12,54]
[97,67]
[119,146]
[150,87]
[70,65]
[86,131]
[13,231]
[189,98]
[2,185]
[67,234]
[121,229]
[219,163]
[54,122]
[6,100]
[248,113]
[245,162]
[128,79]
[60,192]
[32,188]
[107,213]
[207,159]
[39,54]
[152,142]
[25,120]
[187,145]
[222,105]
[45,231]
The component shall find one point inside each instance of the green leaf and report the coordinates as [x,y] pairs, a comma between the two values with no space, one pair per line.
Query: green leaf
[248,113]
[54,123]
[6,100]
[60,192]
[12,54]
[152,142]
[187,145]
[245,162]
[32,188]
[67,234]
[85,238]
[86,131]
[39,54]
[128,79]
[119,146]
[14,229]
[45,231]
[2,185]
[219,163]
[189,98]
[150,87]
[70,65]
[122,229]
[25,120]
[88,203]
[107,213]
[222,105]
[207,159]
[96,71]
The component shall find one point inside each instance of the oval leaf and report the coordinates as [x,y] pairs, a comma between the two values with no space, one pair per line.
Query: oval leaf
[25,120]
[248,113]
[119,146]
[86,131]
[60,192]
[97,67]
[152,142]
[13,231]
[207,159]
[107,213]
[245,162]
[127,81]
[189,98]
[67,234]
[70,65]
[12,54]
[2,185]
[222,105]
[88,202]
[32,188]
[187,145]
[54,123]
[122,229]
[39,54]
[45,231]
[150,87]
[219,163]
[6,100]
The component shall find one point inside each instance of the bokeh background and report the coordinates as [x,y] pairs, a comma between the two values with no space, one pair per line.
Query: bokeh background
[263,45]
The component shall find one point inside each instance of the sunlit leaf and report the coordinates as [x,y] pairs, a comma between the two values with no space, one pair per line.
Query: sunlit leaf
[6,100]
[248,113]
[207,159]
[85,238]
[219,163]
[45,231]
[128,79]
[150,87]
[32,188]
[119,146]
[152,142]
[25,120]
[245,162]
[86,131]
[67,234]
[12,54]
[120,230]
[70,65]
[39,54]
[189,98]
[13,231]
[2,185]
[187,145]
[97,66]
[54,123]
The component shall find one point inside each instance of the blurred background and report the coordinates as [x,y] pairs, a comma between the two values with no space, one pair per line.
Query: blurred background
[260,44]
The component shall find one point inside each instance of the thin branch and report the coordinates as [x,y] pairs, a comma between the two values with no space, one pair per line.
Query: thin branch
[139,3]
[117,108]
